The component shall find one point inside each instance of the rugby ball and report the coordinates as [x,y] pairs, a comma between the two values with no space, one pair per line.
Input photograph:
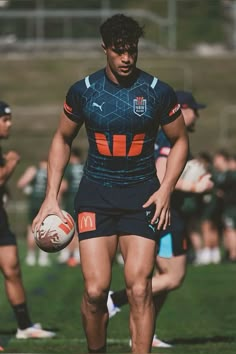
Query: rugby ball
[53,234]
[194,170]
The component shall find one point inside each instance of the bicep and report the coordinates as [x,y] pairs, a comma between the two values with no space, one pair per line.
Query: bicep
[175,129]
[67,129]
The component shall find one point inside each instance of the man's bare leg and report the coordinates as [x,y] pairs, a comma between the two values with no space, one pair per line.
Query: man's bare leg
[97,255]
[139,256]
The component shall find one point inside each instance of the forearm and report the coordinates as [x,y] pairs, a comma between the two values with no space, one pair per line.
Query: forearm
[58,158]
[176,162]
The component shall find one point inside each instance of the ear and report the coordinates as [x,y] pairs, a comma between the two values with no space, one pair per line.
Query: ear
[104,48]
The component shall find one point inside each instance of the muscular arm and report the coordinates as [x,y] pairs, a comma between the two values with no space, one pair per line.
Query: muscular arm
[59,154]
[177,134]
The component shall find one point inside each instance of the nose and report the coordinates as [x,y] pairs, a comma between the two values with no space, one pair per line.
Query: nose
[125,57]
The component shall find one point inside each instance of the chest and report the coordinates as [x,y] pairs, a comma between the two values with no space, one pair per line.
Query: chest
[120,109]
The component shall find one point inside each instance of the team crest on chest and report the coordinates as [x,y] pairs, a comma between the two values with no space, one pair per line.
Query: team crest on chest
[139,105]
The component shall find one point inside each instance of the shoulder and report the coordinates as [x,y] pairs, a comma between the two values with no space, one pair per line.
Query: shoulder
[164,88]
[79,87]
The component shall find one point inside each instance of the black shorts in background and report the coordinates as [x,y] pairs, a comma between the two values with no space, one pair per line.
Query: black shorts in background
[7,237]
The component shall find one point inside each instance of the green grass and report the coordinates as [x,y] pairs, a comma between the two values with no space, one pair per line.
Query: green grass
[199,318]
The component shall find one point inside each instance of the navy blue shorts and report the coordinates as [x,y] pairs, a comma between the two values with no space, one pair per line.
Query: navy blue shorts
[7,237]
[173,241]
[105,211]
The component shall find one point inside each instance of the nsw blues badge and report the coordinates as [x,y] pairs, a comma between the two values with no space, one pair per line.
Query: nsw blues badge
[139,105]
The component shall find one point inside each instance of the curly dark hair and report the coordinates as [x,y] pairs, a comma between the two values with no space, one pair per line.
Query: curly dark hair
[120,31]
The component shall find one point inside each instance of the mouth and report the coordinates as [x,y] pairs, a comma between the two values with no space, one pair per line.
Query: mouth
[125,68]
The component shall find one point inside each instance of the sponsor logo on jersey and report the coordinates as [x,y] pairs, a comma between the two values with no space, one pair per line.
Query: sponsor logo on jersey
[86,221]
[174,110]
[99,106]
[139,105]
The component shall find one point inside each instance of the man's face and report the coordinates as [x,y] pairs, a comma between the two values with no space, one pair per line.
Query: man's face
[121,61]
[190,116]
[5,125]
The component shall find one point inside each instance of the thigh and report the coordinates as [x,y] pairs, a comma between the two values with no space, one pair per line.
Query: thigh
[97,255]
[139,257]
[175,266]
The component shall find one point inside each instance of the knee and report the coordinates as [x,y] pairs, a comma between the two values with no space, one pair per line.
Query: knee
[138,292]
[95,296]
[11,272]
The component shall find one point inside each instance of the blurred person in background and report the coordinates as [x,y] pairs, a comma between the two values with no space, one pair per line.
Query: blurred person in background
[9,258]
[72,178]
[210,220]
[33,183]
[120,199]
[172,247]
[226,189]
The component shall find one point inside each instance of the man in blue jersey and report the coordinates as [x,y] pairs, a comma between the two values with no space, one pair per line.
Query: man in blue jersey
[119,199]
[9,259]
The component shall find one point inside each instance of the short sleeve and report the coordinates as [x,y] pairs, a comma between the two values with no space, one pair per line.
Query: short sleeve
[170,108]
[73,105]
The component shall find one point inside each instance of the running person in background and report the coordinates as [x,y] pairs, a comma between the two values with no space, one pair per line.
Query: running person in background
[72,177]
[210,220]
[120,199]
[171,254]
[33,182]
[9,259]
[226,184]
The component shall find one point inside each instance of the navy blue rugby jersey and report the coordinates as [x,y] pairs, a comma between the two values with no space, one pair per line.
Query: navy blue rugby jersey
[121,124]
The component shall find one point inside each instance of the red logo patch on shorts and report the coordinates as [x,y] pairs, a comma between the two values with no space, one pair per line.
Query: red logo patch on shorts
[86,221]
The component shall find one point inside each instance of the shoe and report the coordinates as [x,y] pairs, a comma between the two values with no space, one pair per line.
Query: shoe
[112,309]
[119,259]
[72,262]
[215,255]
[30,259]
[35,331]
[44,262]
[64,255]
[156,343]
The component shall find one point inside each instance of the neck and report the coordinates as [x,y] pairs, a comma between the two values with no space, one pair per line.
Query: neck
[124,81]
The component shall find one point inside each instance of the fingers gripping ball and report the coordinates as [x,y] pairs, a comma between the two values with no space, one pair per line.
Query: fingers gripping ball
[54,235]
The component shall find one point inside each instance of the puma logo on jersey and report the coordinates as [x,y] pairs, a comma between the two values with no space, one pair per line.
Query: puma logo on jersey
[98,105]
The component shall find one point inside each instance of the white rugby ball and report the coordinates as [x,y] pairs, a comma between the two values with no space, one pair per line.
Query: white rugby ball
[194,170]
[53,234]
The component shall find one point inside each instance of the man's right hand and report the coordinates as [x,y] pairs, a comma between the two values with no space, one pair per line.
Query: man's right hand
[48,207]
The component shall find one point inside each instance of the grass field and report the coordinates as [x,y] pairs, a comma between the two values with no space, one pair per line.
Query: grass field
[199,318]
